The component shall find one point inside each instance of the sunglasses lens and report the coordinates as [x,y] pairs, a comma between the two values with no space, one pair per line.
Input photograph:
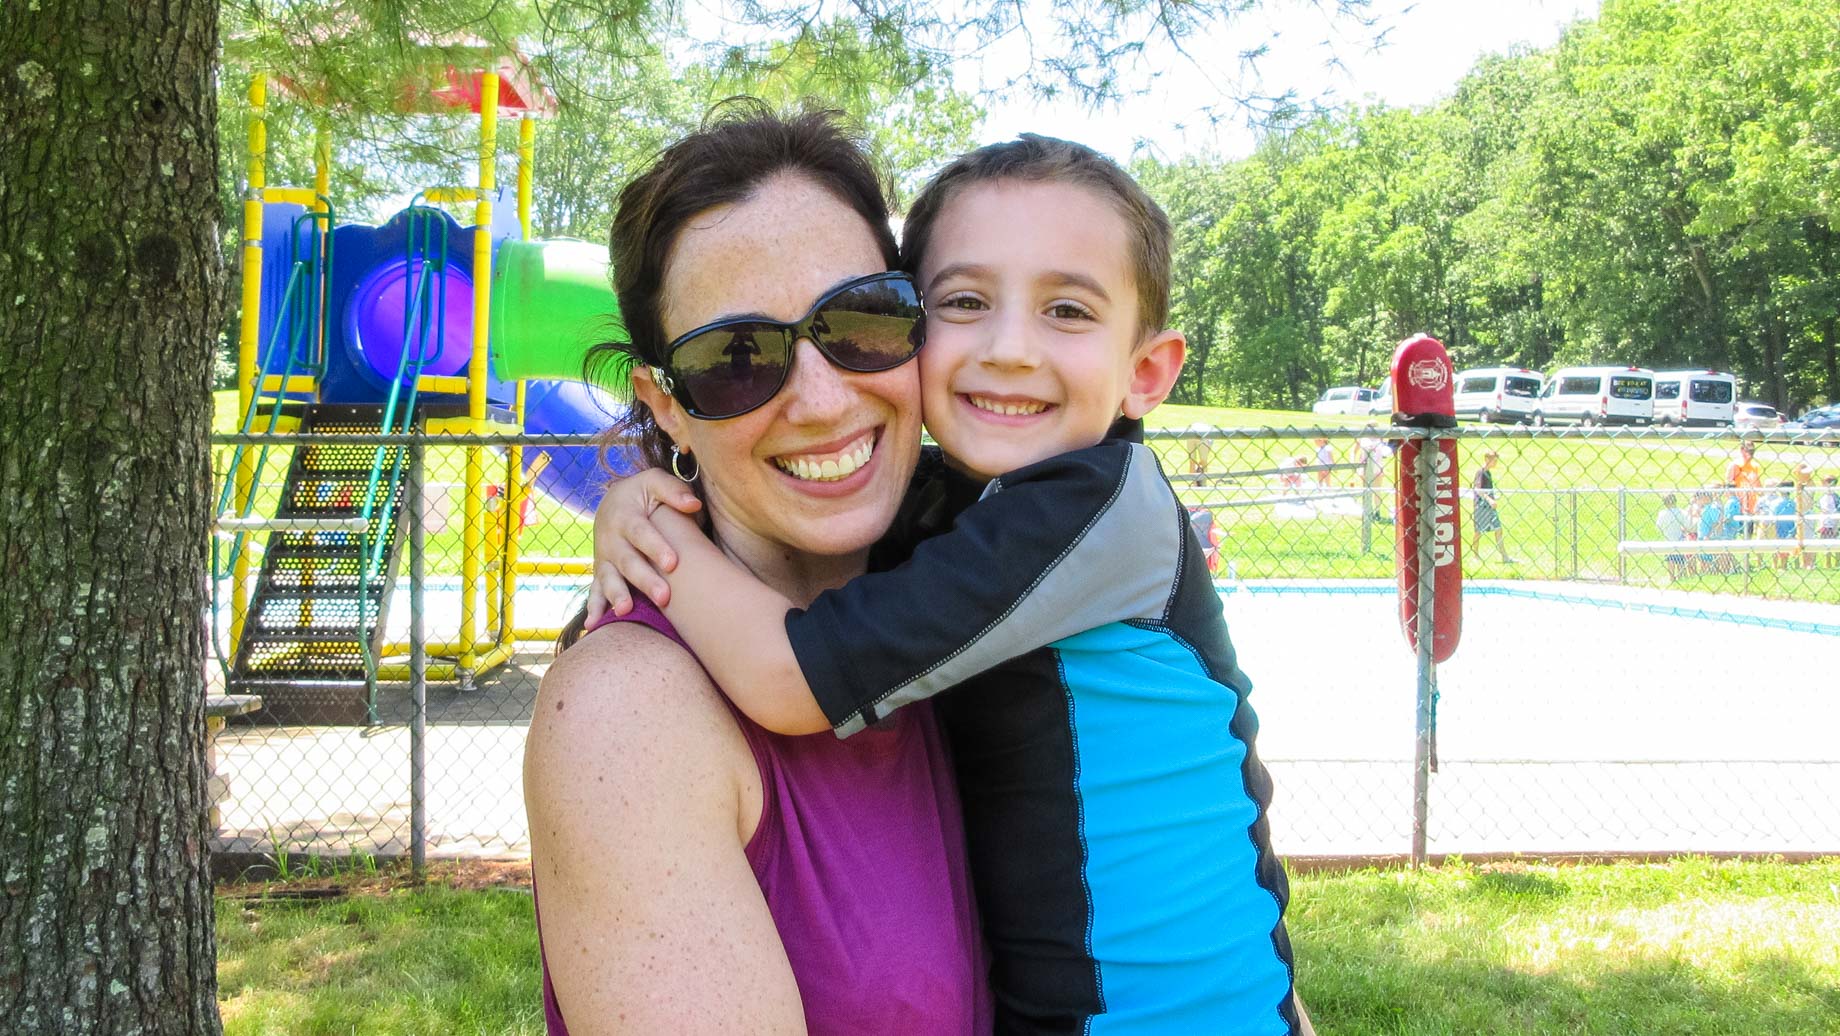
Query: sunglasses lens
[732,369]
[872,327]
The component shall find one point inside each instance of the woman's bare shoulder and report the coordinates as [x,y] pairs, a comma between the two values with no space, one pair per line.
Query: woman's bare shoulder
[630,703]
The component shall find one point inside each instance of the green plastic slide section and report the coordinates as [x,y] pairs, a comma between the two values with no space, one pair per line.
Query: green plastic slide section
[551,300]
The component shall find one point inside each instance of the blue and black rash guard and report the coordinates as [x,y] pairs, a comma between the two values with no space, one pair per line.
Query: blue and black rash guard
[1114,804]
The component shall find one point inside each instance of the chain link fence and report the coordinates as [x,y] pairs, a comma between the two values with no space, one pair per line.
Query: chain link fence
[1645,666]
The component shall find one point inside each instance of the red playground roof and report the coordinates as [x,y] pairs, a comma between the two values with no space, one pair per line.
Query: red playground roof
[518,90]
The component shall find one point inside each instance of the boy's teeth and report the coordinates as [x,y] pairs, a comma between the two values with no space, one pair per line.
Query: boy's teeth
[1007,409]
[831,468]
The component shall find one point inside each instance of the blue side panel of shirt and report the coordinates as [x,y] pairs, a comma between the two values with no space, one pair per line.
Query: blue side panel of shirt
[1181,928]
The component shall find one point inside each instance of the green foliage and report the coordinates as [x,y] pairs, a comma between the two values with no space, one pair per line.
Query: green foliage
[1658,188]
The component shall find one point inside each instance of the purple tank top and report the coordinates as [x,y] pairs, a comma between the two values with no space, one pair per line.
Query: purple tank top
[861,855]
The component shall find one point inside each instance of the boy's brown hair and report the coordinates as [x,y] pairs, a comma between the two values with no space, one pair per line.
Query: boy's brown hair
[1032,158]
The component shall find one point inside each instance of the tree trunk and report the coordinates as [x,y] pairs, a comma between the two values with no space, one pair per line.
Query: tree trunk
[1772,342]
[110,274]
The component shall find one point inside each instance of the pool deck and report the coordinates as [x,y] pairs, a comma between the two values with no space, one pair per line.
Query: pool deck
[1612,764]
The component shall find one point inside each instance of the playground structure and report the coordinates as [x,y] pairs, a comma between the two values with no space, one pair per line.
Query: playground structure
[417,325]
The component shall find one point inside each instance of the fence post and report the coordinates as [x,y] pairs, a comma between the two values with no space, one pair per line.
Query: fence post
[1622,533]
[1426,593]
[1367,503]
[1557,565]
[1573,494]
[418,674]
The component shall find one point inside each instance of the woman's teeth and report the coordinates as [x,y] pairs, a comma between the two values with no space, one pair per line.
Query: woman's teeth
[830,469]
[1007,409]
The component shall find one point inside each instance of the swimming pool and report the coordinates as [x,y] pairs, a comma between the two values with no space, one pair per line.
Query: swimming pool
[1571,718]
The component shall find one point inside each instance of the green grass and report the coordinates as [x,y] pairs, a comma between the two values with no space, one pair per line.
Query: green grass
[1687,947]
[430,960]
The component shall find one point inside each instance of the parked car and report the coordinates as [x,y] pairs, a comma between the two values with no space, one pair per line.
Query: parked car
[1823,421]
[1598,395]
[1491,394]
[1345,399]
[1381,405]
[1817,417]
[1757,417]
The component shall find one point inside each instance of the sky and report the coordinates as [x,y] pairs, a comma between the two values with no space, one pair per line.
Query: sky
[1428,46]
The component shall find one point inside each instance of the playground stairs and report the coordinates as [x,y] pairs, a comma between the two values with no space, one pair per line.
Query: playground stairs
[313,613]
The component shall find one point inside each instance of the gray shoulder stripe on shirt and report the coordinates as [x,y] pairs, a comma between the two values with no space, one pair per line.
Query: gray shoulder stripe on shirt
[1119,567]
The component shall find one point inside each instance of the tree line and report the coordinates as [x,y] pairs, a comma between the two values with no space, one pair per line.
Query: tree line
[1658,188]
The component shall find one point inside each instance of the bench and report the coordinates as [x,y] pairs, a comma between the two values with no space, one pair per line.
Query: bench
[1810,546]
[217,709]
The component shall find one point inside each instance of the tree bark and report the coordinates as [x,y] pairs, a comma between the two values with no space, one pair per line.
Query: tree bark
[110,281]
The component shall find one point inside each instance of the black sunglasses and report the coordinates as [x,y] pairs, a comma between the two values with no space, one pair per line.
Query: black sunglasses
[730,367]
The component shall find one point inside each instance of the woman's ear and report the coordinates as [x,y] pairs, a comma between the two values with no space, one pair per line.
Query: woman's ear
[1155,366]
[664,407]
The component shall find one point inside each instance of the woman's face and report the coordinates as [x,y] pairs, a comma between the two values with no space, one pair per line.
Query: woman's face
[762,473]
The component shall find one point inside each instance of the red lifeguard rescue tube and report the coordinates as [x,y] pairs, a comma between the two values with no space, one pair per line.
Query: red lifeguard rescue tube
[1424,396]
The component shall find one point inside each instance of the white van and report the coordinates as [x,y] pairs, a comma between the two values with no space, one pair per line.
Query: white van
[1491,394]
[1695,398]
[1598,395]
[1348,399]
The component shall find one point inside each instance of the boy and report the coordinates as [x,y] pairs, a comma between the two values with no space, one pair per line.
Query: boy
[1115,808]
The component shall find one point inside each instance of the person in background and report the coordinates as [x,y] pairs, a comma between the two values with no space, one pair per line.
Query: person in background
[1325,459]
[1807,526]
[1486,517]
[1672,522]
[1732,525]
[1709,524]
[1746,476]
[1290,475]
[1374,453]
[1781,504]
[1827,505]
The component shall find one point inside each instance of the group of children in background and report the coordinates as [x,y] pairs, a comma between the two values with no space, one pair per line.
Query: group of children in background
[1731,511]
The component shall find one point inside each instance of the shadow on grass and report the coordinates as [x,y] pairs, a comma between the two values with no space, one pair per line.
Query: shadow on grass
[1517,885]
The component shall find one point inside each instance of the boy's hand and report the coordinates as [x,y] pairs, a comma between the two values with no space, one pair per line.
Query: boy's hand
[627,547]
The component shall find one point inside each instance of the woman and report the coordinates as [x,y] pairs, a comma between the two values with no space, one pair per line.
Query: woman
[694,872]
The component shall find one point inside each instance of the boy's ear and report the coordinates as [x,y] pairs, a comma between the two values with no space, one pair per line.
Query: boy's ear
[665,410]
[1155,366]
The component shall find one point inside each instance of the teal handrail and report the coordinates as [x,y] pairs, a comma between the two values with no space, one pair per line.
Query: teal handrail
[424,339]
[302,312]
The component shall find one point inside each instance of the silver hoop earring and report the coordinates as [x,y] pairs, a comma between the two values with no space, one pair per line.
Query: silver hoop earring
[677,469]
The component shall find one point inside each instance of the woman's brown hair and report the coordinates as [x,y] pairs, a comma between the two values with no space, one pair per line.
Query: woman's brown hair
[742,144]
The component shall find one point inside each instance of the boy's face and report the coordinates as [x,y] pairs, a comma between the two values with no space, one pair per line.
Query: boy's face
[1032,341]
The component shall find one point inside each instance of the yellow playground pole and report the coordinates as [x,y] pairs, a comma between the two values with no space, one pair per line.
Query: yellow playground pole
[515,491]
[322,165]
[249,330]
[527,153]
[473,534]
[322,192]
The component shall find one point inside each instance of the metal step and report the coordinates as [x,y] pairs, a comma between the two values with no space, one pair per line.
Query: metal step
[256,635]
[312,614]
[339,593]
[351,551]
